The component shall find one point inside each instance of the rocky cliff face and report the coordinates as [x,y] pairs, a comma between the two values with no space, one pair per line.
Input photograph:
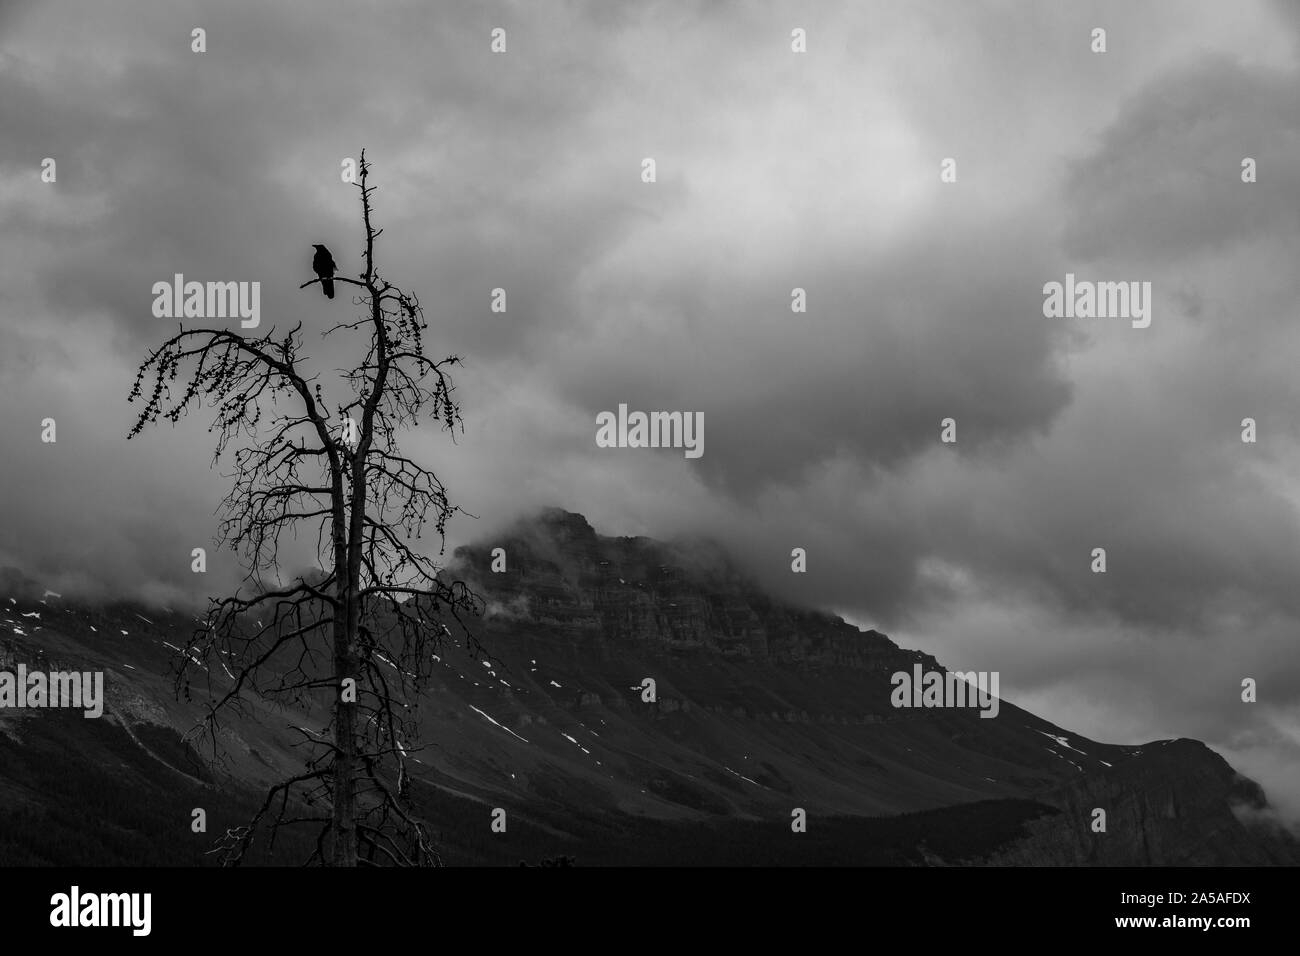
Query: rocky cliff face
[637,593]
[1170,803]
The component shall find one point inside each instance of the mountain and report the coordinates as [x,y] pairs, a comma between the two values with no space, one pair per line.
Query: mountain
[760,709]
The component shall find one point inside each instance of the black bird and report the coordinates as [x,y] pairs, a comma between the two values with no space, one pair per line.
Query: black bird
[323,266]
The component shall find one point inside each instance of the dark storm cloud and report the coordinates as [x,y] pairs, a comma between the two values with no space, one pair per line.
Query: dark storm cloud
[1166,184]
[882,357]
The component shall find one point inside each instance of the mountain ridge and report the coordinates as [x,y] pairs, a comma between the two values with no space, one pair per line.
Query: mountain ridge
[761,708]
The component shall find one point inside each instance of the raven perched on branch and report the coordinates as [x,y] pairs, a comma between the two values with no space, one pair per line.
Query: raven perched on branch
[323,266]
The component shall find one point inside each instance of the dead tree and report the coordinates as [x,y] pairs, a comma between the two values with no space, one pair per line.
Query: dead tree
[363,631]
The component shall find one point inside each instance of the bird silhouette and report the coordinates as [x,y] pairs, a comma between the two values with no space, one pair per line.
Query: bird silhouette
[323,266]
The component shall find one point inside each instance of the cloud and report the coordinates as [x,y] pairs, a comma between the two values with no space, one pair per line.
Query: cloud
[776,171]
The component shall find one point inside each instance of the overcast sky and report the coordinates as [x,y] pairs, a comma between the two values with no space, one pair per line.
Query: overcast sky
[522,170]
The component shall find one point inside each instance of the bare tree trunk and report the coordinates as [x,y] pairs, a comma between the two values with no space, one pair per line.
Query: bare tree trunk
[345,738]
[347,561]
[345,760]
[345,713]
